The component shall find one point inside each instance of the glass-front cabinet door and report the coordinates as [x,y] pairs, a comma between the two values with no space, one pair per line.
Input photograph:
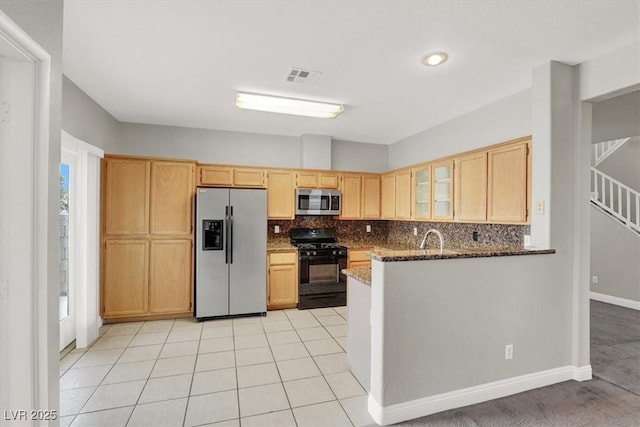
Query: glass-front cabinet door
[422,192]
[442,190]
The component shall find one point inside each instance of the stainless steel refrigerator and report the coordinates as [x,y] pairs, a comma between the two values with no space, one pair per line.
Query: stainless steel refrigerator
[231,252]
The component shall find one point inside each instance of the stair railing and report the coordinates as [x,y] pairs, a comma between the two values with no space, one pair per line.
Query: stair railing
[615,198]
[602,150]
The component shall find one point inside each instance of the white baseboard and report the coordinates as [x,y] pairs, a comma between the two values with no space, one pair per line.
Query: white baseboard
[469,396]
[622,302]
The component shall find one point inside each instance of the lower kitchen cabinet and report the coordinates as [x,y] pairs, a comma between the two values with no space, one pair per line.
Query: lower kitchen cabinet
[283,280]
[170,273]
[146,278]
[357,258]
[125,283]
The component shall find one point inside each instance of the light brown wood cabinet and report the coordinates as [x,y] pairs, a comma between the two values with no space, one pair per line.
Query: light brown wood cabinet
[125,283]
[171,198]
[403,194]
[357,258]
[280,194]
[230,176]
[442,190]
[283,279]
[312,179]
[421,192]
[388,196]
[147,251]
[471,187]
[371,196]
[351,187]
[170,272]
[508,183]
[126,196]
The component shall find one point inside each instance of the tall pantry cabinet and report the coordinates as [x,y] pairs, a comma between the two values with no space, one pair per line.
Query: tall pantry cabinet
[147,238]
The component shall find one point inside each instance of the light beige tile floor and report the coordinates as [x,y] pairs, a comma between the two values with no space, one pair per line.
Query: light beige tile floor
[286,369]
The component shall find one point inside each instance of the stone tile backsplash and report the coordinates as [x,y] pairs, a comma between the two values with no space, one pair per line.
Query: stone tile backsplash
[458,235]
[355,231]
[400,233]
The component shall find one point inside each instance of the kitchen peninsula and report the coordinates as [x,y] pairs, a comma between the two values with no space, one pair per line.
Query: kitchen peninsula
[430,332]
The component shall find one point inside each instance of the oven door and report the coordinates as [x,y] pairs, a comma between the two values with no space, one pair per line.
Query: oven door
[321,281]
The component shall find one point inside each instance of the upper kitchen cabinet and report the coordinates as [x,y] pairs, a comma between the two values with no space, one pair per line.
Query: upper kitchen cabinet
[388,196]
[311,179]
[403,194]
[351,186]
[126,196]
[442,190]
[171,198]
[508,183]
[280,194]
[371,196]
[229,176]
[421,192]
[471,187]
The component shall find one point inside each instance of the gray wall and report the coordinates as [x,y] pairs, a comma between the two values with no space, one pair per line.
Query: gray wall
[457,316]
[502,120]
[42,20]
[241,148]
[83,118]
[359,156]
[615,252]
[210,146]
[624,164]
[616,117]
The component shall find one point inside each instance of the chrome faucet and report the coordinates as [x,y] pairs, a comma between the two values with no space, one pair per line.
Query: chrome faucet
[437,233]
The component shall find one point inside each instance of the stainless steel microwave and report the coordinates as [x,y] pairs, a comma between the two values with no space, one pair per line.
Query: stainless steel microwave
[318,202]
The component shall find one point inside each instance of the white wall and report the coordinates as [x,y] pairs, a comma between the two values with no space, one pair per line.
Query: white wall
[617,117]
[42,20]
[84,119]
[611,74]
[615,251]
[500,121]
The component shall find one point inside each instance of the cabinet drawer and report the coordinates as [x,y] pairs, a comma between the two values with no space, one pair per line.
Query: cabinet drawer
[276,258]
[359,264]
[359,254]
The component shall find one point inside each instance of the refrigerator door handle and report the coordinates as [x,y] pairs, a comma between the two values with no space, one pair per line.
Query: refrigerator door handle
[230,235]
[226,243]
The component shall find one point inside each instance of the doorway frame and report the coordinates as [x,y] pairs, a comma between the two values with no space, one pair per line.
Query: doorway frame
[37,377]
[85,237]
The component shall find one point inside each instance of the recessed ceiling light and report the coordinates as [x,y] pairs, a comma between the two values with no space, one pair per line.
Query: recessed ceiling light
[435,58]
[277,104]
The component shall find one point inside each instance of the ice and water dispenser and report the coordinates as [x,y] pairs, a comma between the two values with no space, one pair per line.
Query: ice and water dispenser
[213,236]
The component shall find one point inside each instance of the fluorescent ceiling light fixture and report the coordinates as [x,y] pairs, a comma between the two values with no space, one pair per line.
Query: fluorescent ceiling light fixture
[299,107]
[435,58]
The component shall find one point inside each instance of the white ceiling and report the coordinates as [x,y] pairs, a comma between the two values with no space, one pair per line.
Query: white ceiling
[180,63]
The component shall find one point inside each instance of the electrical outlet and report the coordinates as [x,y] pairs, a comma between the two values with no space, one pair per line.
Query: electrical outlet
[540,207]
[475,236]
[415,231]
[594,279]
[276,229]
[508,352]
[368,228]
[527,240]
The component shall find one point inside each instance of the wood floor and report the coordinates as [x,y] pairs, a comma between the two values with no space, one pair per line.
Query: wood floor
[612,398]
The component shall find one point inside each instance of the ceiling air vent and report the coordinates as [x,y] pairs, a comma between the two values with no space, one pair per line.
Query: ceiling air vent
[298,75]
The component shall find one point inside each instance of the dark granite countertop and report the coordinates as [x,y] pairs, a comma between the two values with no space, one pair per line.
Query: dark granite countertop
[360,274]
[390,255]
